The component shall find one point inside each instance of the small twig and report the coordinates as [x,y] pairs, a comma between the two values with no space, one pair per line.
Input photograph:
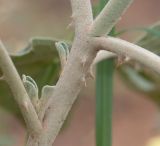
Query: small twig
[109,16]
[19,92]
[124,48]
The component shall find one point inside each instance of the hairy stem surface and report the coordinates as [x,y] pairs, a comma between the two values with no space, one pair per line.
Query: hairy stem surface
[12,78]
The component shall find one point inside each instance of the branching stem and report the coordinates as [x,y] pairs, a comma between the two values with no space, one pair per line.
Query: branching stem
[87,42]
[80,59]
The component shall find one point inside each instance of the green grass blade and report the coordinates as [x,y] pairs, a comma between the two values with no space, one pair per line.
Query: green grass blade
[104,85]
[102,3]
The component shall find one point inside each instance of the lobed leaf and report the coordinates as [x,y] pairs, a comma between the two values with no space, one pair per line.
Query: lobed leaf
[40,61]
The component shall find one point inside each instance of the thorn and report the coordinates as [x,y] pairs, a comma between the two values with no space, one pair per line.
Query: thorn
[84,81]
[127,59]
[83,61]
[121,60]
[71,25]
[90,75]
[92,72]
[25,105]
[119,18]
[2,78]
[72,16]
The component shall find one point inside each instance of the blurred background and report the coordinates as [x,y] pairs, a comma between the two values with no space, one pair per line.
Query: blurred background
[134,115]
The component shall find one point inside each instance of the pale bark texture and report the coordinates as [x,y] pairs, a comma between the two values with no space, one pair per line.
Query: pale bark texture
[44,125]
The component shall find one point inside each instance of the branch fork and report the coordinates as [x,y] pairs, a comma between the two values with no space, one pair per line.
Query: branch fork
[86,50]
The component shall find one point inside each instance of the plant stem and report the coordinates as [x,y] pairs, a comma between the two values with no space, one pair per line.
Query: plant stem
[82,16]
[109,16]
[12,78]
[126,49]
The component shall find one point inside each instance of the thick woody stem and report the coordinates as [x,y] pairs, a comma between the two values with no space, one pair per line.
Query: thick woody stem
[82,16]
[73,76]
[66,91]
[12,78]
[80,59]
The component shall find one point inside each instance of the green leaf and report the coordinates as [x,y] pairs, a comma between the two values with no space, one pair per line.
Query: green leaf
[142,80]
[145,80]
[6,140]
[32,89]
[47,92]
[137,80]
[151,40]
[104,89]
[63,50]
[40,61]
[98,7]
[151,31]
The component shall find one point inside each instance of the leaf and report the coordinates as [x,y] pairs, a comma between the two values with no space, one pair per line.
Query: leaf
[145,80]
[32,89]
[104,89]
[40,61]
[98,7]
[47,92]
[153,30]
[137,80]
[6,140]
[151,40]
[63,51]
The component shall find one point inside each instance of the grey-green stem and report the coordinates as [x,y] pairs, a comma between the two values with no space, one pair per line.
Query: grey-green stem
[72,79]
[75,71]
[124,48]
[109,16]
[20,95]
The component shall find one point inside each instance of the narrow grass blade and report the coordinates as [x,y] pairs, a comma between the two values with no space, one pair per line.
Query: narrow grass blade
[104,81]
[104,85]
